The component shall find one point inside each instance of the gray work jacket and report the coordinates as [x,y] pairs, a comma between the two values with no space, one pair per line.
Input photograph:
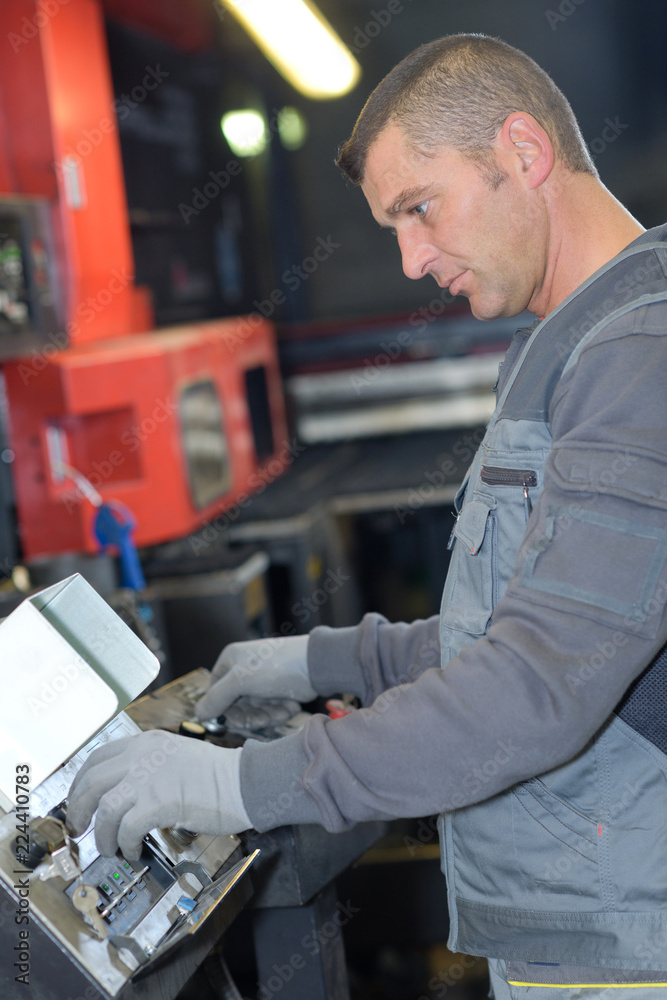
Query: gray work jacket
[568,867]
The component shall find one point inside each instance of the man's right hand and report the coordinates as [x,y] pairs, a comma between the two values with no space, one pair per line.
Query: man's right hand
[264,668]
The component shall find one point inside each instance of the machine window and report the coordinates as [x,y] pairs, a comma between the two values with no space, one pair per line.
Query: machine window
[205,443]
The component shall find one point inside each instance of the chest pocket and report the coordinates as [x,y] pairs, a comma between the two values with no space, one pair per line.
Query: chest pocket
[473,594]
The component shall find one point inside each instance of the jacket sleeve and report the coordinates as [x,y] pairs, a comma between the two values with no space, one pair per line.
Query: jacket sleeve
[368,658]
[583,615]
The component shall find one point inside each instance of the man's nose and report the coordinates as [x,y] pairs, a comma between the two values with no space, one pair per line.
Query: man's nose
[416,254]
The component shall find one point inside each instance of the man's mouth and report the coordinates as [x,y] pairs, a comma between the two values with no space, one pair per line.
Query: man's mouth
[456,283]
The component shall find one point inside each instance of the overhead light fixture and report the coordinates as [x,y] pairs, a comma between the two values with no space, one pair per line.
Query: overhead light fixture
[300,43]
[245,132]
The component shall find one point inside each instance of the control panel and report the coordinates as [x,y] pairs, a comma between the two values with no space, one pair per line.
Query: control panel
[30,311]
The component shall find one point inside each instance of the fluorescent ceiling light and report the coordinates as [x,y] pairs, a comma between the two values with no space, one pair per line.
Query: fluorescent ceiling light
[245,131]
[300,43]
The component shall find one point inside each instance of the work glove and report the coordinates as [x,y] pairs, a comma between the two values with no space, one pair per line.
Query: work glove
[156,779]
[262,668]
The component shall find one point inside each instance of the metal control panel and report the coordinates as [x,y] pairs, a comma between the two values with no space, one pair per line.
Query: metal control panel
[122,894]
[30,309]
[102,924]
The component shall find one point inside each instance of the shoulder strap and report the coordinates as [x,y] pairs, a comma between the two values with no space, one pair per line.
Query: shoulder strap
[635,277]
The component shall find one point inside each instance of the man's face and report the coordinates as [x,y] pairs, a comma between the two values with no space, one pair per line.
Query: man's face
[489,245]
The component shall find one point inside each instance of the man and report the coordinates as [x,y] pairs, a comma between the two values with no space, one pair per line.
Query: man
[537,743]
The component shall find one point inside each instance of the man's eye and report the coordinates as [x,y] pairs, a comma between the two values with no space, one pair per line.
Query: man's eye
[420,209]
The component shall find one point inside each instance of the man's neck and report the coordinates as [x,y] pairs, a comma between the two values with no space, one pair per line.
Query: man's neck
[588,227]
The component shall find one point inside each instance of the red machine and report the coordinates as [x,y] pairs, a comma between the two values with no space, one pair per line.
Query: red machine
[60,143]
[177,424]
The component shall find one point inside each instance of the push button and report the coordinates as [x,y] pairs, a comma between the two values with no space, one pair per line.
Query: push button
[107,890]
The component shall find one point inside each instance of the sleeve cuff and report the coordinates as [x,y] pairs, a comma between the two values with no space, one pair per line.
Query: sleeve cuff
[333,660]
[271,784]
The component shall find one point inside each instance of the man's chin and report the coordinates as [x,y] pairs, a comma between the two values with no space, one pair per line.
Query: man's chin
[485,310]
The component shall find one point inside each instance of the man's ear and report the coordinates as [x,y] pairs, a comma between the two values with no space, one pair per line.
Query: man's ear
[523,142]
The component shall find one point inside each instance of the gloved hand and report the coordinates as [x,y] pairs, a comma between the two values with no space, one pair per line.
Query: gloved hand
[156,779]
[264,668]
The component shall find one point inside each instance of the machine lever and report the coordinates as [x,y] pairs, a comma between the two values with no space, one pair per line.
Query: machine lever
[113,526]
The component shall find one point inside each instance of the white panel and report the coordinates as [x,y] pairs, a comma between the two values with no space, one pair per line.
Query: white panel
[52,700]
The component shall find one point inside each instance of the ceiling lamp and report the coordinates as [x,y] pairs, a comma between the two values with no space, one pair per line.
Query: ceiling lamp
[300,43]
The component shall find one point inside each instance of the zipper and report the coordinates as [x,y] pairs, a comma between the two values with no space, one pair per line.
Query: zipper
[494,475]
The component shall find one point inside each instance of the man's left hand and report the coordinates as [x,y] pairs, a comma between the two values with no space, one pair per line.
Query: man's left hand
[156,779]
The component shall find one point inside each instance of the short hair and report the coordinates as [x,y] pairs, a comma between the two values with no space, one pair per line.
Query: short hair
[457,91]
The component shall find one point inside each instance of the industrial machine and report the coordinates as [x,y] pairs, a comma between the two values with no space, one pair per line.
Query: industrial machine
[176,424]
[174,430]
[75,923]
